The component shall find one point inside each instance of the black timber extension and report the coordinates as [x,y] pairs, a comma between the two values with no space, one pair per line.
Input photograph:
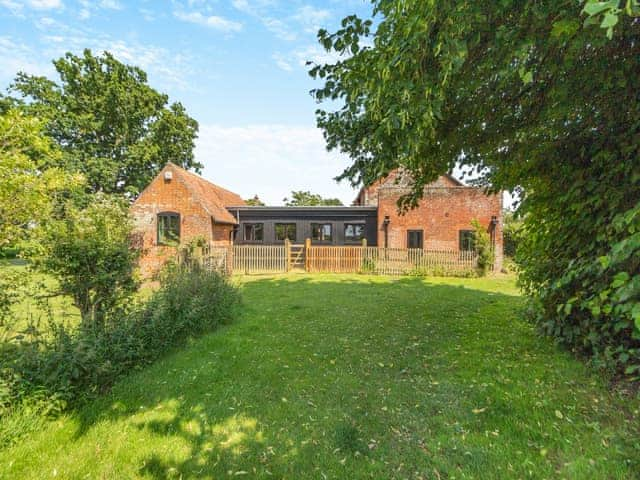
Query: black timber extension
[323,225]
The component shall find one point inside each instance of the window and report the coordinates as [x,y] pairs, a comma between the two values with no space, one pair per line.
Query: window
[168,229]
[353,232]
[415,239]
[253,232]
[321,232]
[286,231]
[467,240]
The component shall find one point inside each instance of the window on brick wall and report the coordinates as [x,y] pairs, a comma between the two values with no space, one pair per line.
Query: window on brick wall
[253,232]
[321,232]
[168,228]
[285,231]
[467,240]
[415,239]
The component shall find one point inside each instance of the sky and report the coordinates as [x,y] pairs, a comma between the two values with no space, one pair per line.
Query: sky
[238,66]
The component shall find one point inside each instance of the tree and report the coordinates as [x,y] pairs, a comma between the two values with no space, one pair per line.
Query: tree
[255,202]
[108,122]
[28,193]
[302,198]
[89,250]
[531,100]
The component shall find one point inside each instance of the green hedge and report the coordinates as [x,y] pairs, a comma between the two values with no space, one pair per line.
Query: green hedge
[54,371]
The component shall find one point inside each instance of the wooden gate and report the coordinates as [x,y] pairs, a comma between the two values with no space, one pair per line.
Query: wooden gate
[296,257]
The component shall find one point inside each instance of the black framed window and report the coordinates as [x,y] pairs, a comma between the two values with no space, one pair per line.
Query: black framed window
[353,232]
[285,231]
[253,232]
[321,232]
[168,228]
[467,240]
[415,239]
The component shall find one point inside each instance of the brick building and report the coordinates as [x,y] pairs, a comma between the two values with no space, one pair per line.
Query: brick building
[179,205]
[442,220]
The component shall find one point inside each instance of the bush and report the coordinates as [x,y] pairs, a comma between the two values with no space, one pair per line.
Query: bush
[484,249]
[60,369]
[89,251]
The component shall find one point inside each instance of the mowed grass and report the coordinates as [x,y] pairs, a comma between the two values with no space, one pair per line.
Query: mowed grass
[352,377]
[39,300]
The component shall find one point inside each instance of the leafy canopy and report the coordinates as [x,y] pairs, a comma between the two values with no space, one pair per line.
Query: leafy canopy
[108,122]
[89,250]
[532,97]
[255,201]
[28,194]
[301,198]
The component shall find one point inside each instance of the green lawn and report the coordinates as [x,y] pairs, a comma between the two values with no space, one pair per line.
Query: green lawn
[37,301]
[352,377]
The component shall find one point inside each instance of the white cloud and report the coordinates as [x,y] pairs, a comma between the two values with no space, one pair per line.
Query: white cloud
[168,69]
[279,29]
[111,4]
[271,160]
[281,62]
[13,6]
[263,10]
[45,4]
[17,57]
[89,7]
[211,21]
[311,18]
[300,56]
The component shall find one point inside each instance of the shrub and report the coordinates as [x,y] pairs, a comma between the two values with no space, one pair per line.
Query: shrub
[484,249]
[61,368]
[511,234]
[88,250]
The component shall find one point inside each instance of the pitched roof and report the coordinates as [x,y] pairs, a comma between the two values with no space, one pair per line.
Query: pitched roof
[214,199]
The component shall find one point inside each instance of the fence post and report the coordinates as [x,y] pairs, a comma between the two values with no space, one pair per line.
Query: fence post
[307,248]
[287,246]
[229,262]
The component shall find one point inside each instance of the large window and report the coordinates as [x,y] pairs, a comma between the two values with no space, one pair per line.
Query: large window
[415,239]
[353,232]
[286,231]
[253,232]
[321,232]
[168,229]
[467,240]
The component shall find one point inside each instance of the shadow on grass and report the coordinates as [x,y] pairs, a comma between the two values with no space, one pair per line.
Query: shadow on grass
[236,418]
[370,377]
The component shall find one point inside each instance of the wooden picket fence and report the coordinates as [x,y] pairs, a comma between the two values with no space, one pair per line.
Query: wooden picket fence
[253,259]
[272,259]
[389,261]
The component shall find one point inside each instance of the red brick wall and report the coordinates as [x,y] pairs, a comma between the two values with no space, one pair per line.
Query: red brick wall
[171,196]
[441,214]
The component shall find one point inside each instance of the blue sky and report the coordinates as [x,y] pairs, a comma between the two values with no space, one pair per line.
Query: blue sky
[237,65]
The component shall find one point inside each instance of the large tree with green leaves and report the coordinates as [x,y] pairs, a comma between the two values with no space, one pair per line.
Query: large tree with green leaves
[531,97]
[28,193]
[108,122]
[303,198]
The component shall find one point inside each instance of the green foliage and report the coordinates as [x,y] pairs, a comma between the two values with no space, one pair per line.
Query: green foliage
[484,248]
[530,99]
[302,198]
[255,202]
[89,251]
[511,231]
[366,377]
[56,368]
[27,193]
[607,13]
[593,306]
[108,122]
